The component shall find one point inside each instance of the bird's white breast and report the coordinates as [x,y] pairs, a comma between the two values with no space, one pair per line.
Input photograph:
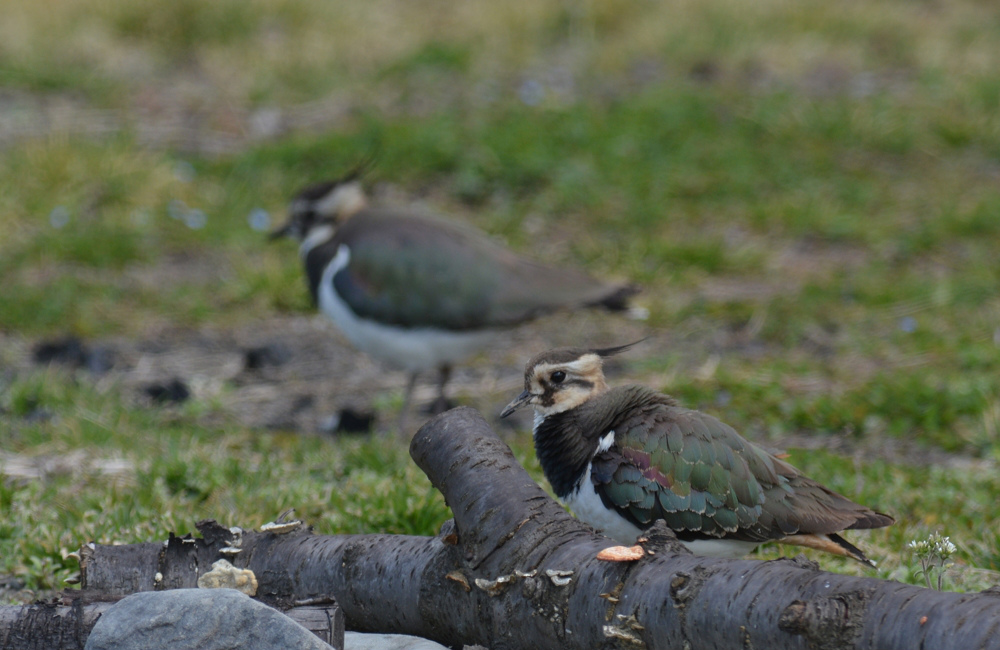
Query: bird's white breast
[731,548]
[318,235]
[586,504]
[413,349]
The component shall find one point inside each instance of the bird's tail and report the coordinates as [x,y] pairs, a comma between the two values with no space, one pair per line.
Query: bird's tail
[830,543]
[618,299]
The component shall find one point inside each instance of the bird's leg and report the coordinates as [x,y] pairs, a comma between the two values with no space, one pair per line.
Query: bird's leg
[411,383]
[441,404]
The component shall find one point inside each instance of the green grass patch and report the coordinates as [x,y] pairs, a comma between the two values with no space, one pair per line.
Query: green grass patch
[131,474]
[139,473]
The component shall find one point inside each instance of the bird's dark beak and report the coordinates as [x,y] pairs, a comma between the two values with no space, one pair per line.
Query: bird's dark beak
[283,231]
[518,402]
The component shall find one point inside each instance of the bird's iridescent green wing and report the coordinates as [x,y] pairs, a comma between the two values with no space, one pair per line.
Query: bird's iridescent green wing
[705,480]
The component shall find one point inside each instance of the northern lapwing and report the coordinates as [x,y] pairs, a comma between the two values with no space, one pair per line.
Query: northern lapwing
[623,457]
[420,292]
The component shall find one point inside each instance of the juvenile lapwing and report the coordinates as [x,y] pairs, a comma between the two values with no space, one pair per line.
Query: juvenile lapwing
[419,292]
[623,457]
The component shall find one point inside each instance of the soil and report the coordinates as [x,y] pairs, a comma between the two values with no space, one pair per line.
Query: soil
[295,372]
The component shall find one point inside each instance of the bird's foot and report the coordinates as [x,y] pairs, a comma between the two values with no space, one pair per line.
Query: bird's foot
[439,406]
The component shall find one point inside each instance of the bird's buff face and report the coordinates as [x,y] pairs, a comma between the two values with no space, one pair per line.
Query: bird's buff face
[313,216]
[552,385]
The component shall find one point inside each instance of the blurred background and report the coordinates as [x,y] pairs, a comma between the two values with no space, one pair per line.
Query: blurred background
[809,193]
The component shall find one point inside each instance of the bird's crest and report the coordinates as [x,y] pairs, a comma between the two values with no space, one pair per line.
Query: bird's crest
[364,165]
[604,353]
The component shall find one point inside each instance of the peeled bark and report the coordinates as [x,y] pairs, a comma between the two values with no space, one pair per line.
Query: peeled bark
[514,570]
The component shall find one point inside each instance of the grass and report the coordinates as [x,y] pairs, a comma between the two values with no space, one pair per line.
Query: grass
[807,192]
[120,473]
[167,468]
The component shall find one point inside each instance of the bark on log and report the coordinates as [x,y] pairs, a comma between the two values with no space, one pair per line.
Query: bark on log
[515,571]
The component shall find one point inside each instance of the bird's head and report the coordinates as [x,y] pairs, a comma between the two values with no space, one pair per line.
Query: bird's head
[317,210]
[562,379]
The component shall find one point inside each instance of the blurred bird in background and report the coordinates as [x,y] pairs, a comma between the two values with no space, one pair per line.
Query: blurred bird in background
[420,292]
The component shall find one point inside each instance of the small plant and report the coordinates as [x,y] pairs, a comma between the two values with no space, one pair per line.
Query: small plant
[933,553]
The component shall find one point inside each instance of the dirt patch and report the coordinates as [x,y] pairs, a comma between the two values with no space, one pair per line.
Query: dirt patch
[294,372]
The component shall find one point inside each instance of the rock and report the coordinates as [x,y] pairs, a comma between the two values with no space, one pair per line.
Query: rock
[359,641]
[197,619]
[11,582]
[173,391]
[352,421]
[348,420]
[69,351]
[73,352]
[272,354]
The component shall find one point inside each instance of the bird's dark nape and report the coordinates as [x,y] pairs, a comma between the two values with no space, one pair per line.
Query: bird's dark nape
[315,192]
[610,352]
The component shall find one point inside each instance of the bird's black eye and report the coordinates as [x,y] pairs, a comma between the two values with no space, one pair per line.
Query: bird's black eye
[558,376]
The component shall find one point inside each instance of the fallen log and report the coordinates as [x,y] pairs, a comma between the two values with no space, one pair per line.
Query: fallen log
[514,570]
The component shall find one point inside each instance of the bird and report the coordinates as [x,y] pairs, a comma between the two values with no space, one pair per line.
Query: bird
[623,457]
[420,292]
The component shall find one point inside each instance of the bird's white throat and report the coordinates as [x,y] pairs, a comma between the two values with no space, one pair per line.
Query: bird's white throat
[318,235]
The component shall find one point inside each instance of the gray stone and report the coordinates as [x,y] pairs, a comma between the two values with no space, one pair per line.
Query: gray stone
[199,619]
[360,641]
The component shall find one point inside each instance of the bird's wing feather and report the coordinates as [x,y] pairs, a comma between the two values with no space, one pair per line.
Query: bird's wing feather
[425,272]
[412,273]
[705,480]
